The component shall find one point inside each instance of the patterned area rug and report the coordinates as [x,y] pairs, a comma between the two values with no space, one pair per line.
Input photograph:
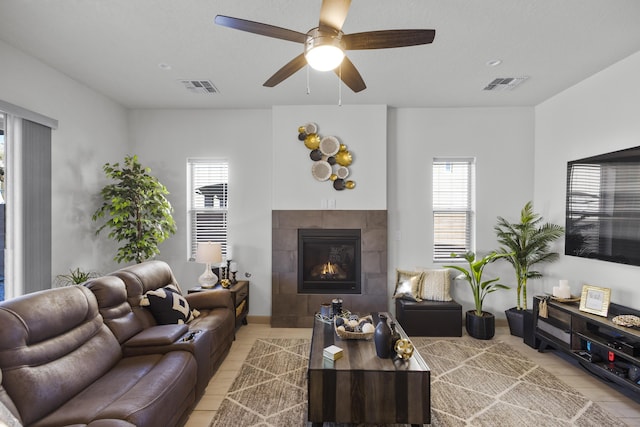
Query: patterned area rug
[473,383]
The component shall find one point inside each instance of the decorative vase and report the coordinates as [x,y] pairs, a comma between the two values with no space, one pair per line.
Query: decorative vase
[382,337]
[480,327]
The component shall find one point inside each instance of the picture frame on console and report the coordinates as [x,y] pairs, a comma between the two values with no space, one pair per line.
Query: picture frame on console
[595,300]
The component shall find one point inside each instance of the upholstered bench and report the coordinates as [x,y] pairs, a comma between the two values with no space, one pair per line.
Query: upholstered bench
[430,318]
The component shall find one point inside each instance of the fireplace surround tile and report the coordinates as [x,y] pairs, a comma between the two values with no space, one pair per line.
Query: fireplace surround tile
[290,309]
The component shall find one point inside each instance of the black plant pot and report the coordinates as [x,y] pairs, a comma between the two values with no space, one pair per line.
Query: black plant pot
[529,336]
[521,325]
[480,327]
[515,318]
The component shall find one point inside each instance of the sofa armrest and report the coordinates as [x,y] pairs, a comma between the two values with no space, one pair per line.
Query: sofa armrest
[206,300]
[157,335]
[163,339]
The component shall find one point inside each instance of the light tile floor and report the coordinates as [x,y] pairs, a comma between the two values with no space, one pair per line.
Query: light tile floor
[618,404]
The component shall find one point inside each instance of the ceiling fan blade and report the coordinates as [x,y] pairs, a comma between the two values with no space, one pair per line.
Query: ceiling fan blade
[260,28]
[387,39]
[287,71]
[350,75]
[333,13]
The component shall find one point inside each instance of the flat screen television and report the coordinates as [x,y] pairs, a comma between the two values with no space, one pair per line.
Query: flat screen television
[603,207]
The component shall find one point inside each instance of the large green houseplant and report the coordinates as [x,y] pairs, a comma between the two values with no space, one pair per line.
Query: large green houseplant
[527,243]
[479,323]
[139,215]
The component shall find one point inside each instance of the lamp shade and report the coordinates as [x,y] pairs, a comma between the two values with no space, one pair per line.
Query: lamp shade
[209,252]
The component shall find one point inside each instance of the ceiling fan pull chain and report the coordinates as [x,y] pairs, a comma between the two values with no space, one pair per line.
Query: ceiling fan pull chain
[308,86]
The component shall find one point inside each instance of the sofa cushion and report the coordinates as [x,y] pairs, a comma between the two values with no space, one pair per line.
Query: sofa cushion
[149,390]
[113,304]
[53,345]
[168,306]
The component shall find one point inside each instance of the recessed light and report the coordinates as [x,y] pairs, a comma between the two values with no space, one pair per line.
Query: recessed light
[164,66]
[494,63]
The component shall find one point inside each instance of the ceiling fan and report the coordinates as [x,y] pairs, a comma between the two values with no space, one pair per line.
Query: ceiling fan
[325,45]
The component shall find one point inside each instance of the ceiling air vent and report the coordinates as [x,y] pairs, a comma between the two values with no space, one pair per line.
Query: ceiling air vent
[505,83]
[199,86]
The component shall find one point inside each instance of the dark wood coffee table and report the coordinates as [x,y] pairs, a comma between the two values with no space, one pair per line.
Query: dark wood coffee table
[360,387]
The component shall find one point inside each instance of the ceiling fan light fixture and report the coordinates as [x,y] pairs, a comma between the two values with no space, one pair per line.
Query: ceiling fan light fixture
[323,52]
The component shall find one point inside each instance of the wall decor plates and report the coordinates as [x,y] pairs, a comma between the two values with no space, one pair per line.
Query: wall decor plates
[312,141]
[342,172]
[315,155]
[344,158]
[329,145]
[311,128]
[321,170]
[330,157]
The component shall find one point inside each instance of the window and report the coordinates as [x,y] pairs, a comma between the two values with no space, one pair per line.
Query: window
[207,201]
[453,206]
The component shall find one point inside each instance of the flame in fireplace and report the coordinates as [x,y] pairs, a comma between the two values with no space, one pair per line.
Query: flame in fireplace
[328,268]
[328,271]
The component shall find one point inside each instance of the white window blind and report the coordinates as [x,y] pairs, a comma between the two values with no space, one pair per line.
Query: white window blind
[453,206]
[208,197]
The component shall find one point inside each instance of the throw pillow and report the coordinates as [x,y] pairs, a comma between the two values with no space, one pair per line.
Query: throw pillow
[168,306]
[436,284]
[408,285]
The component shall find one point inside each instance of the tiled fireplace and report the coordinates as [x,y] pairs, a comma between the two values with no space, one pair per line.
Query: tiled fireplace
[293,306]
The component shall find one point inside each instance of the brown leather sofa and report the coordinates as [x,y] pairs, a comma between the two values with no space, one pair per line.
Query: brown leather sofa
[212,332]
[62,366]
[92,356]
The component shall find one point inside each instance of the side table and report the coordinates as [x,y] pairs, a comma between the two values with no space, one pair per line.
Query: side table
[239,295]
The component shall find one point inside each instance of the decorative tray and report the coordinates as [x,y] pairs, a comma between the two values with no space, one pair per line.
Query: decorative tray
[342,326]
[627,320]
[565,300]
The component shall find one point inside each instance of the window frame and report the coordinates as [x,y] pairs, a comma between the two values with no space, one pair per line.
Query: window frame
[211,168]
[462,206]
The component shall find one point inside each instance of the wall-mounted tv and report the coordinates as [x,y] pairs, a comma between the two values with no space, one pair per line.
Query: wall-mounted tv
[603,207]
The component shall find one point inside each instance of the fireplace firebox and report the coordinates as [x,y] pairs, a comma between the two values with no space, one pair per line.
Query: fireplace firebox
[329,261]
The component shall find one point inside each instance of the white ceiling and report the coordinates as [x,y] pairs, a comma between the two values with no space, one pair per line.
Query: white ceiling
[116,46]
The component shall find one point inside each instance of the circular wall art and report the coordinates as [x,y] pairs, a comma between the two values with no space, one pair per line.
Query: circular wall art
[331,159]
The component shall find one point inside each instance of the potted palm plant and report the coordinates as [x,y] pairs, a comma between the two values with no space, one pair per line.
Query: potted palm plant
[526,244]
[479,324]
[139,215]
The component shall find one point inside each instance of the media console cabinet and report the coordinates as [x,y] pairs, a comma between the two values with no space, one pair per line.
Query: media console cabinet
[603,348]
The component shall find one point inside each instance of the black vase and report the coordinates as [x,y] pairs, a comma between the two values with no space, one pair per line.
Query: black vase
[382,337]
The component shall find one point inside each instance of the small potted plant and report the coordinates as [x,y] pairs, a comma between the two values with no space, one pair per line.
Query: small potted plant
[526,244]
[479,323]
[75,277]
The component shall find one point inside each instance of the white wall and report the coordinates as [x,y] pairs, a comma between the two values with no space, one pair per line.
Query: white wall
[164,139]
[92,130]
[362,129]
[391,166]
[501,140]
[596,116]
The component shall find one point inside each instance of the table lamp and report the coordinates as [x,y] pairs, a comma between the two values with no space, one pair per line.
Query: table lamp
[208,253]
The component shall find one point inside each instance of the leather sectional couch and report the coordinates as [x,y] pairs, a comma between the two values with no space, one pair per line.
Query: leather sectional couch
[92,356]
